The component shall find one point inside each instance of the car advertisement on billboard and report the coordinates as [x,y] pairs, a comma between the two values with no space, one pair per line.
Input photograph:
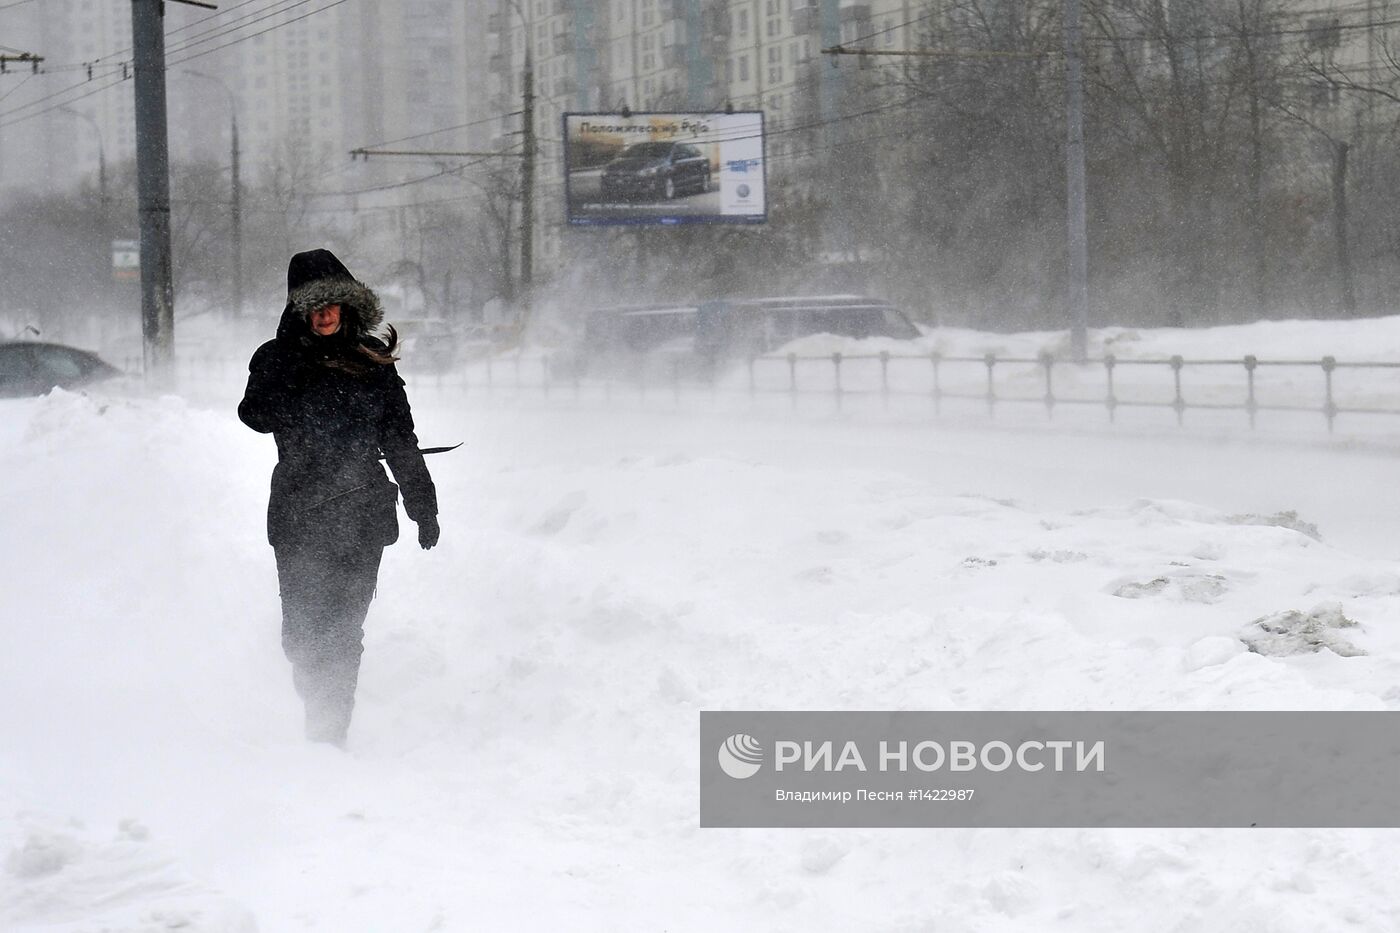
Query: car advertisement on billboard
[664,168]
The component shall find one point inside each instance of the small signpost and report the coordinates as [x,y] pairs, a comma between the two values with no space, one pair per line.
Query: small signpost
[126,260]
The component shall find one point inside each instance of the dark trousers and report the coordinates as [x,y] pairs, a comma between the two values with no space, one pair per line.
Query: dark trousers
[326,588]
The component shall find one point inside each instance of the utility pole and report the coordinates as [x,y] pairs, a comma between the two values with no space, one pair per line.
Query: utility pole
[153,188]
[1074,188]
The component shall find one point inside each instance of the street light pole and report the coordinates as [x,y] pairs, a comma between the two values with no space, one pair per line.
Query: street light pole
[236,194]
[101,160]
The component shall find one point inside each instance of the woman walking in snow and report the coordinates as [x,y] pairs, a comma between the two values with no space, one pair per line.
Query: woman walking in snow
[326,389]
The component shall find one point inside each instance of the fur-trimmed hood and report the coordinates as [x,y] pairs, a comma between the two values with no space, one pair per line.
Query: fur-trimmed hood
[315,279]
[360,311]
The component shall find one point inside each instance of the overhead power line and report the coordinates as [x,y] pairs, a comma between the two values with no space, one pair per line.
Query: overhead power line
[27,79]
[1320,30]
[942,53]
[226,24]
[227,29]
[296,19]
[223,11]
[366,153]
[445,129]
[65,103]
[126,73]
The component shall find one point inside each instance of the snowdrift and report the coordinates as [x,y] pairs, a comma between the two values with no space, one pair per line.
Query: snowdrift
[524,752]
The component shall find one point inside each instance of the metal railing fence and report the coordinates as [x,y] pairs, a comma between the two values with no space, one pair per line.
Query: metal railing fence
[991,380]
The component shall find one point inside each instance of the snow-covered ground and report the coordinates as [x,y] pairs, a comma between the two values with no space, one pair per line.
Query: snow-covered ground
[524,754]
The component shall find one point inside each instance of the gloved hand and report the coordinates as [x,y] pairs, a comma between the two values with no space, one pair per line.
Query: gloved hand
[428,532]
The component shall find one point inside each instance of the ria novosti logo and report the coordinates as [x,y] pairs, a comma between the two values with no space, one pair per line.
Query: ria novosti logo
[741,756]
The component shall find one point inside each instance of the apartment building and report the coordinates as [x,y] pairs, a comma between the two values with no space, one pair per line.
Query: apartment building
[307,85]
[49,145]
[662,55]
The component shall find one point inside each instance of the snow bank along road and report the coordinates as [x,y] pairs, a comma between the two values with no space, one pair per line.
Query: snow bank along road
[524,754]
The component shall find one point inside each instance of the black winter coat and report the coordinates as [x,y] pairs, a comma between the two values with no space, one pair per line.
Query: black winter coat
[332,413]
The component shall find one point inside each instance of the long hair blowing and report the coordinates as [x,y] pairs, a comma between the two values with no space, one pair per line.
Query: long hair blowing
[385,356]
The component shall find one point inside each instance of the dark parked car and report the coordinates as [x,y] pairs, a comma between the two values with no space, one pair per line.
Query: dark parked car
[35,368]
[656,170]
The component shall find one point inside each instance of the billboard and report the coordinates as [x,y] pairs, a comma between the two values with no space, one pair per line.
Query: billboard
[664,168]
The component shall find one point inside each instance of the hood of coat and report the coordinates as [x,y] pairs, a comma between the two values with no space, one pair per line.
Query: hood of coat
[360,311]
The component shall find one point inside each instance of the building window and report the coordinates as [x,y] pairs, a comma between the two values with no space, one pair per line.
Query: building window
[743,68]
